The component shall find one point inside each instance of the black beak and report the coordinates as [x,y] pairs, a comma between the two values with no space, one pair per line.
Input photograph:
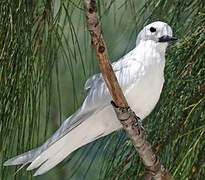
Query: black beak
[167,39]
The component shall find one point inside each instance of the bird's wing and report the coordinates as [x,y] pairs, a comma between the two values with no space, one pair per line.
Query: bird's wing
[127,71]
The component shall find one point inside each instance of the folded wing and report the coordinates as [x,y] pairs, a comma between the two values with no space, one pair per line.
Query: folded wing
[75,131]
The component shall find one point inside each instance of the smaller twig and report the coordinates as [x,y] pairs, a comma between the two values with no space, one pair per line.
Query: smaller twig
[199,171]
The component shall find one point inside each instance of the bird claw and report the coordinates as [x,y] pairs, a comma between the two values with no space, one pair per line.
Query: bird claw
[139,124]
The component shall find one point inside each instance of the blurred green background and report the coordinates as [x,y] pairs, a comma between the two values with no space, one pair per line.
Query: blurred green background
[46,57]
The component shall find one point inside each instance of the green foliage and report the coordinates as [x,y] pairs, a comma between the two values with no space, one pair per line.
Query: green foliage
[45,58]
[26,61]
[176,126]
[31,38]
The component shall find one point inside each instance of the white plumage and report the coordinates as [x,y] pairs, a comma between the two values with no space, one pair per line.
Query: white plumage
[140,74]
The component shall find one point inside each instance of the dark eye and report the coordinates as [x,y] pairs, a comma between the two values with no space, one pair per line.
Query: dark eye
[152,29]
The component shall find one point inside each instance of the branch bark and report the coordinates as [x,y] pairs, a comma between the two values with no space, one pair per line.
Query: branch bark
[126,116]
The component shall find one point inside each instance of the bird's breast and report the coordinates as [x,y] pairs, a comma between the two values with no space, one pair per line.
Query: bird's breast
[145,93]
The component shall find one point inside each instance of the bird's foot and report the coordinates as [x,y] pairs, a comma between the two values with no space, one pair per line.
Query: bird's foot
[139,121]
[128,117]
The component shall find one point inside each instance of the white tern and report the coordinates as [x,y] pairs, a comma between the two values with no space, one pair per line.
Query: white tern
[141,76]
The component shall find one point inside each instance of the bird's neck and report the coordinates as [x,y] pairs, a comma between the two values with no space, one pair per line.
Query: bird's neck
[161,47]
[152,52]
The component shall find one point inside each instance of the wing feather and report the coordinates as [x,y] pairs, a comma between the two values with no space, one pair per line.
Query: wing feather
[56,148]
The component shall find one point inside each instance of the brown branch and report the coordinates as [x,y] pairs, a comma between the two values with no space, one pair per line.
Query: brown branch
[125,115]
[93,26]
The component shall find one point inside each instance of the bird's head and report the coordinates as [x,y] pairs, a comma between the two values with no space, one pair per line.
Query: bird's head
[158,32]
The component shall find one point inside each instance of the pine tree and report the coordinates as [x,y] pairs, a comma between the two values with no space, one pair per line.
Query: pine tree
[45,58]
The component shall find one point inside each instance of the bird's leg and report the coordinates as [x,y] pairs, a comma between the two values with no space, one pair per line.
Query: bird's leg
[139,120]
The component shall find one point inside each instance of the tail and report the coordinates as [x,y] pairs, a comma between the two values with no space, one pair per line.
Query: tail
[69,137]
[87,131]
[24,158]
[30,156]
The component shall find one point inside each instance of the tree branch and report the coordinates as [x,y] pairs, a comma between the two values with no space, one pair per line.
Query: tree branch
[125,115]
[93,26]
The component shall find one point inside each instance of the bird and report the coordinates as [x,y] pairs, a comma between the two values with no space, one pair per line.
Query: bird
[140,74]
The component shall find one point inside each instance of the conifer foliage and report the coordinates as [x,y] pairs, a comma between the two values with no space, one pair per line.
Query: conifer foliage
[39,40]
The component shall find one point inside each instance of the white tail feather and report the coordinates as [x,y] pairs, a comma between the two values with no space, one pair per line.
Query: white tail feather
[50,154]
